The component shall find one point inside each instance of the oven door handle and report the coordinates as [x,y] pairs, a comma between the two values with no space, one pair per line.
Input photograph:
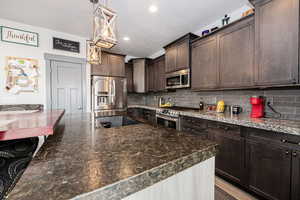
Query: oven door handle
[167,118]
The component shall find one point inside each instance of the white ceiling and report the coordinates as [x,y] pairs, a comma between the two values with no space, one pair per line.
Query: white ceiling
[148,31]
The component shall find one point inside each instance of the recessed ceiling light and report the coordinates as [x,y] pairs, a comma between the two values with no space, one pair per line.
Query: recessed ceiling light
[153,8]
[126,38]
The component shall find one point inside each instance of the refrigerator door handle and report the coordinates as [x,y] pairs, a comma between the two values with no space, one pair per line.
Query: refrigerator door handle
[113,91]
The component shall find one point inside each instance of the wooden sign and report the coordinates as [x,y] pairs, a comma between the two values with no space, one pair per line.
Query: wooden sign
[19,36]
[66,45]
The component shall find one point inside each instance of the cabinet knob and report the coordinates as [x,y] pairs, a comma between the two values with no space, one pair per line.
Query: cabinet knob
[287,153]
[295,154]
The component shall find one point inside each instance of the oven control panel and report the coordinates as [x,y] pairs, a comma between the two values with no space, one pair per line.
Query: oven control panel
[167,112]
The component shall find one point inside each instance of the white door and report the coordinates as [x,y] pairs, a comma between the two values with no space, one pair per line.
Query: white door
[67,85]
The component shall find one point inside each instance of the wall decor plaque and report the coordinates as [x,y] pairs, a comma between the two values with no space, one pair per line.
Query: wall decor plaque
[22,75]
[19,36]
[66,45]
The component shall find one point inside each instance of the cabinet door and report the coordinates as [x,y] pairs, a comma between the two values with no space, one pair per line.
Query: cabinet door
[205,64]
[103,68]
[277,33]
[117,65]
[171,55]
[183,56]
[161,75]
[269,169]
[296,176]
[151,77]
[237,55]
[230,159]
[129,76]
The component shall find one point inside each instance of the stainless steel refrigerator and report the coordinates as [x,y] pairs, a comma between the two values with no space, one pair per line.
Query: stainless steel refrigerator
[109,93]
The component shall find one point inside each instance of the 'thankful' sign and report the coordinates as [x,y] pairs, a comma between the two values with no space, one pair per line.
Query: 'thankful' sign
[18,36]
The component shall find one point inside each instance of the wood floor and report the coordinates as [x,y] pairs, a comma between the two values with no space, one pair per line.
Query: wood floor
[226,191]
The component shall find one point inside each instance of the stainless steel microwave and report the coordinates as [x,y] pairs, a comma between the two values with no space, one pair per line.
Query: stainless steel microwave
[178,79]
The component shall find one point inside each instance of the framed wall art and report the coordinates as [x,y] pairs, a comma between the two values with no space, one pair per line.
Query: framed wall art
[19,36]
[22,75]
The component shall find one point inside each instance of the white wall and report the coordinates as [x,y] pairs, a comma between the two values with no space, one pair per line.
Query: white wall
[235,15]
[45,46]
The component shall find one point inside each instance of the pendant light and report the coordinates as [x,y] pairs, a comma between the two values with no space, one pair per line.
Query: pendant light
[104,32]
[105,26]
[93,52]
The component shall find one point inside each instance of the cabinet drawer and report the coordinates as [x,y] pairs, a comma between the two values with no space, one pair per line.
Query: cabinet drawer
[273,137]
[194,125]
[223,128]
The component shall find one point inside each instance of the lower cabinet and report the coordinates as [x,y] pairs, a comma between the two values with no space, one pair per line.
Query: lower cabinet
[263,162]
[295,176]
[230,159]
[143,114]
[268,169]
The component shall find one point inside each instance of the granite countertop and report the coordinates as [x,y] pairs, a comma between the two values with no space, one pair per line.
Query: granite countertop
[81,162]
[270,124]
[26,124]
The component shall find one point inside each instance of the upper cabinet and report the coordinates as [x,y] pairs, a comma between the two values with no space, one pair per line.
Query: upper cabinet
[277,42]
[225,59]
[111,65]
[157,78]
[129,76]
[205,64]
[178,54]
[236,58]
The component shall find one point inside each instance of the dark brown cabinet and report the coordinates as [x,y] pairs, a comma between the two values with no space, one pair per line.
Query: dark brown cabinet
[183,56]
[277,42]
[142,114]
[129,76]
[159,79]
[152,69]
[236,45]
[269,169]
[231,148]
[178,53]
[205,63]
[264,162]
[117,64]
[295,175]
[111,65]
[103,68]
[171,56]
[225,59]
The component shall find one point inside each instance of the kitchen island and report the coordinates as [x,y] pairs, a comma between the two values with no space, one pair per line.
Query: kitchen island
[127,162]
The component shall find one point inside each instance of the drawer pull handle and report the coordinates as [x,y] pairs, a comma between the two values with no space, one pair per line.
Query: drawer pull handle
[295,154]
[287,153]
[290,142]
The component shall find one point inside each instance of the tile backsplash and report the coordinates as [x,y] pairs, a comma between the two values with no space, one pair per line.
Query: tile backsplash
[285,101]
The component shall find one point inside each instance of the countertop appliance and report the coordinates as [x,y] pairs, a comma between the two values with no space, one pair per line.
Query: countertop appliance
[258,107]
[108,93]
[178,79]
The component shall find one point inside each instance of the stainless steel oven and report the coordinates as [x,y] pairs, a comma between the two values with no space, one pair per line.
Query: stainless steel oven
[168,118]
[179,79]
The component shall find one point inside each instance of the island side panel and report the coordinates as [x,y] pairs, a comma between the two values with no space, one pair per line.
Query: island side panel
[196,182]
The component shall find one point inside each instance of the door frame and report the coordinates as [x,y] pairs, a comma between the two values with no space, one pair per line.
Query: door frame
[53,57]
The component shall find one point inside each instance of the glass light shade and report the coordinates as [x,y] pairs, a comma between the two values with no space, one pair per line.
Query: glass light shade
[93,53]
[105,27]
